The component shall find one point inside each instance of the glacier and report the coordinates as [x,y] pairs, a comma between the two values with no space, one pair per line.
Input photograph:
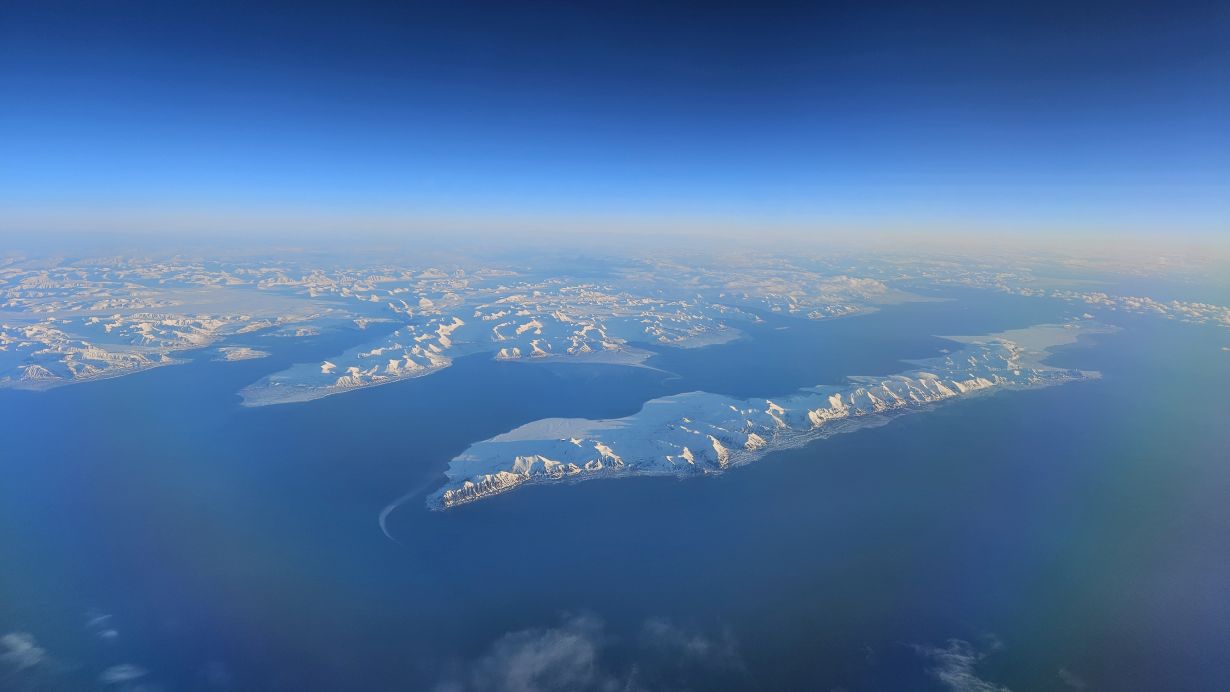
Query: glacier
[702,433]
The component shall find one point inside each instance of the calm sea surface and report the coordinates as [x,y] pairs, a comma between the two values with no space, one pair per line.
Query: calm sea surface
[1078,534]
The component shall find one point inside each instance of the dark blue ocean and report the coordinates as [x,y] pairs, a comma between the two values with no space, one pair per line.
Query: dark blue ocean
[1067,538]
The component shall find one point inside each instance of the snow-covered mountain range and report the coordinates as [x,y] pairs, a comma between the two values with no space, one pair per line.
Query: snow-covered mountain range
[698,433]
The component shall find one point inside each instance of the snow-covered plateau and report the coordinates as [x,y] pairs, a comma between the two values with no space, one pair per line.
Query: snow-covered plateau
[699,433]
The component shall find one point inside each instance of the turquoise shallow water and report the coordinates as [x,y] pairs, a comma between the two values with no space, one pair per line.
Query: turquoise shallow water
[1078,529]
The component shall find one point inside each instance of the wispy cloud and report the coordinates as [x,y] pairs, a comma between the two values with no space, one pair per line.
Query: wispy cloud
[25,665]
[19,650]
[100,625]
[537,660]
[1072,679]
[955,663]
[123,673]
[680,647]
[578,654]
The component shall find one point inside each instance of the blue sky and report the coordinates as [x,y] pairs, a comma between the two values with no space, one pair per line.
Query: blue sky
[1057,116]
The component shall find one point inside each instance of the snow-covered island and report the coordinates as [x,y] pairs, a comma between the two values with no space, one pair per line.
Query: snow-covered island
[65,321]
[230,353]
[73,320]
[698,433]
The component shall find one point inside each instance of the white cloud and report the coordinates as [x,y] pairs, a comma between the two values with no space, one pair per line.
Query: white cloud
[543,660]
[955,663]
[576,656]
[1071,679]
[686,646]
[21,651]
[125,672]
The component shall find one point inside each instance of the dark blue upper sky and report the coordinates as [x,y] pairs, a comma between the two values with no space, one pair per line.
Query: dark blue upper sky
[1055,116]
